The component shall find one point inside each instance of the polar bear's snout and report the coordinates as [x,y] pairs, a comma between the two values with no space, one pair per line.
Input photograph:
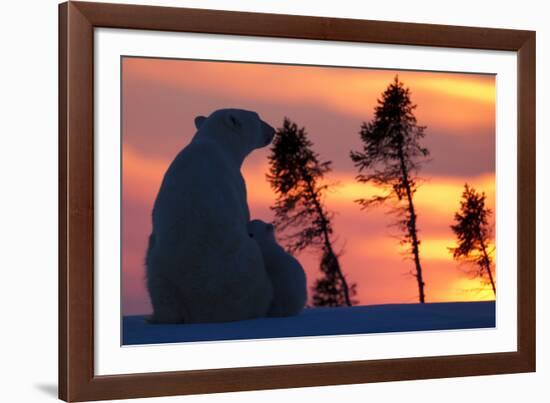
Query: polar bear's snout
[268,133]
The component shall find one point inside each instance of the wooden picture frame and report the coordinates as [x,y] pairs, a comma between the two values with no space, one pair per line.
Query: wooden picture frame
[77,21]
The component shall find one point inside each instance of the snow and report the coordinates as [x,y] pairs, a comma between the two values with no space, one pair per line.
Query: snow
[319,322]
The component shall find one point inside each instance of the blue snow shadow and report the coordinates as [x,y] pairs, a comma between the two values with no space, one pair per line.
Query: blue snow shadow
[320,322]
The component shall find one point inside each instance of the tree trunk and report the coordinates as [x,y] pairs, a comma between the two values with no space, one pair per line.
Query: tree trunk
[345,287]
[486,262]
[328,245]
[412,228]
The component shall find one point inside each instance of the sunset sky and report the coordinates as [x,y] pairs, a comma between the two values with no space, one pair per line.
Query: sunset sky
[161,97]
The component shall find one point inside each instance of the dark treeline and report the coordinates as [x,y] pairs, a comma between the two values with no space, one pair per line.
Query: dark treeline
[390,158]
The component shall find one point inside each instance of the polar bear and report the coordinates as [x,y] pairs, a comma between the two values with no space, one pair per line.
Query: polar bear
[201,265]
[287,275]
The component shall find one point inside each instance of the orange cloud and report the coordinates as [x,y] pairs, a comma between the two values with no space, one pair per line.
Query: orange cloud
[437,196]
[141,175]
[463,289]
[460,101]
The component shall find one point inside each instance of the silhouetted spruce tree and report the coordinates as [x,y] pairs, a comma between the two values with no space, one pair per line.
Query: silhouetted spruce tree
[473,234]
[390,159]
[296,175]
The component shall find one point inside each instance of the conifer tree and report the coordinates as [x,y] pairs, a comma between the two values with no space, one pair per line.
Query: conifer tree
[473,234]
[297,176]
[390,158]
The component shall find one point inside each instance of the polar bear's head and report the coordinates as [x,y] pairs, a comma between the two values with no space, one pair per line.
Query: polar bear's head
[262,232]
[240,130]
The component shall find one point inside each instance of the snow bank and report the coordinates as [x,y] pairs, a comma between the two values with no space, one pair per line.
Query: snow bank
[321,321]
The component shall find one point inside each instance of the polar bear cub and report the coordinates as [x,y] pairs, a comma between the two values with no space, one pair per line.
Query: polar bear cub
[287,275]
[201,265]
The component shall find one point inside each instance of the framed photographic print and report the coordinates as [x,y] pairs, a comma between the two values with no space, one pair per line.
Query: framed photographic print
[254,201]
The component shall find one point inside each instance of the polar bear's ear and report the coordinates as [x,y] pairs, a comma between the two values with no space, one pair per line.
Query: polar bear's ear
[199,120]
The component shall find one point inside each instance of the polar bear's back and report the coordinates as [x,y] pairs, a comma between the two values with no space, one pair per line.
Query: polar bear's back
[215,288]
[201,263]
[201,197]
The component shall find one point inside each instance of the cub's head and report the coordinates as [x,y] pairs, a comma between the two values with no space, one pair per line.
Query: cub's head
[240,130]
[261,232]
